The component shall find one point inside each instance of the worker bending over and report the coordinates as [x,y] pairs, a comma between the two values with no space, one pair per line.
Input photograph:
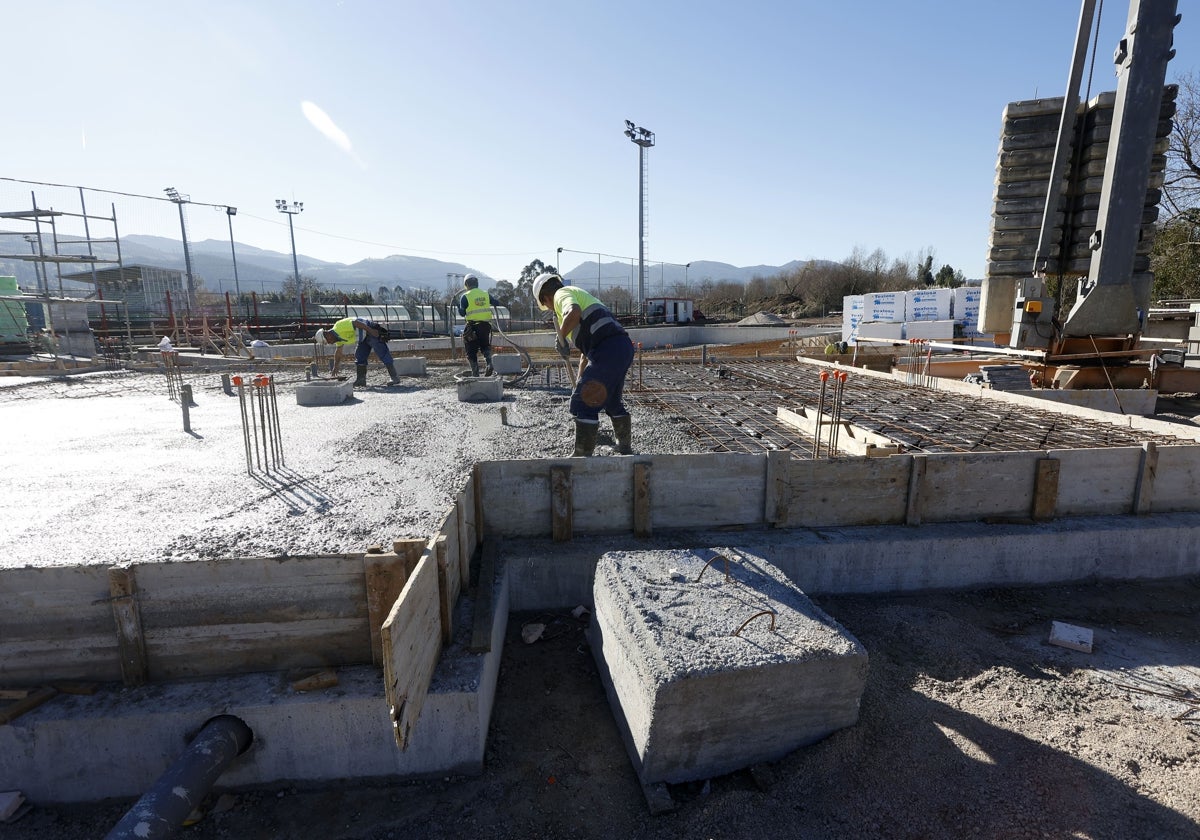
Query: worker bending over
[475,305]
[607,355]
[370,336]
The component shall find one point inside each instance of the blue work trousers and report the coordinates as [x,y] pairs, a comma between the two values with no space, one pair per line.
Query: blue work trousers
[367,343]
[603,380]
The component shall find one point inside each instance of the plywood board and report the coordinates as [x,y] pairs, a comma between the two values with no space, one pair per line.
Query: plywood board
[242,615]
[412,644]
[851,491]
[57,624]
[1096,481]
[961,487]
[385,575]
[1177,479]
[710,490]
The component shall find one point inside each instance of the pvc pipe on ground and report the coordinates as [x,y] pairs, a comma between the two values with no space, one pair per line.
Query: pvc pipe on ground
[162,809]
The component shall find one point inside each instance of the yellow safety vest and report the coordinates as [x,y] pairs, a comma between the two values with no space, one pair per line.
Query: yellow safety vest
[479,305]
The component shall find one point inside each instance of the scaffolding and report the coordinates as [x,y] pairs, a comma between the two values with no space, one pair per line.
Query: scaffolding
[50,249]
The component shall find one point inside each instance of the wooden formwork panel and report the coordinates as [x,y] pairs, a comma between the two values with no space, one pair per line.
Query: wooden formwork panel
[1176,482]
[686,491]
[412,644]
[243,615]
[56,622]
[960,487]
[1096,481]
[822,492]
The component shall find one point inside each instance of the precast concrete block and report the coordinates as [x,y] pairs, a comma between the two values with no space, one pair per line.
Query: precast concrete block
[713,661]
[323,392]
[410,365]
[480,389]
[506,364]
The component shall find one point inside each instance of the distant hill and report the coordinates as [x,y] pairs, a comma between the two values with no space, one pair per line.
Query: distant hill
[265,271]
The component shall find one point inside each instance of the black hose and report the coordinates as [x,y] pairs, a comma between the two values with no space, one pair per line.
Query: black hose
[162,809]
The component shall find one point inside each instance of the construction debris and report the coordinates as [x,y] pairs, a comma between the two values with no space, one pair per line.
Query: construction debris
[1070,636]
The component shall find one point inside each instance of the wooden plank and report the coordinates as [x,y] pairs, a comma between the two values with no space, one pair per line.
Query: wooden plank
[122,587]
[481,631]
[1176,480]
[916,480]
[851,439]
[847,491]
[562,509]
[446,577]
[468,534]
[17,708]
[243,615]
[410,551]
[961,487]
[642,522]
[449,532]
[57,623]
[385,576]
[778,491]
[412,644]
[477,485]
[1143,491]
[1095,482]
[1045,489]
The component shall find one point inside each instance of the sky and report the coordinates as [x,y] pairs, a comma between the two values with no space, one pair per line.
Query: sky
[491,133]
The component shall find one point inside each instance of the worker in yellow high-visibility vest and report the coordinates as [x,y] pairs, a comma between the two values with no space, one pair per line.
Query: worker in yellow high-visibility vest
[475,305]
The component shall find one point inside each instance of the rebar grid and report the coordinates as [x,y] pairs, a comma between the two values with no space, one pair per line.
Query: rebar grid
[731,407]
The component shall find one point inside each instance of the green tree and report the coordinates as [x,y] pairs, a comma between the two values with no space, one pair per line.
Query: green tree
[948,278]
[523,302]
[1175,258]
[503,293]
[925,271]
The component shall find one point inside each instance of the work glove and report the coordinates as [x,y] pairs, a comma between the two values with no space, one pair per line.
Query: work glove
[561,345]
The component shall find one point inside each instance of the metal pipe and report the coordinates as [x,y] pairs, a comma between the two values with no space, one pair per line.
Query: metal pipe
[162,809]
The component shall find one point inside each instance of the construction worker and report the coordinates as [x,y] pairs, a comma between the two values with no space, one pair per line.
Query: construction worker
[370,336]
[607,355]
[475,305]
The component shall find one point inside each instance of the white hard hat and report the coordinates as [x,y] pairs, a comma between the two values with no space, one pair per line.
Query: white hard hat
[319,337]
[471,281]
[538,283]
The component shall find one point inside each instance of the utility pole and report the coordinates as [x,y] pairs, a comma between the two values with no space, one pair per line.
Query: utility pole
[230,212]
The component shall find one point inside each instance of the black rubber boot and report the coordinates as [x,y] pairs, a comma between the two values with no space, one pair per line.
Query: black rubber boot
[623,429]
[585,438]
[360,379]
[474,363]
[391,369]
[487,355]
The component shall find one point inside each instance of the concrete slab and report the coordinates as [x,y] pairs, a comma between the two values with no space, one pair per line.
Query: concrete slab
[712,666]
[323,392]
[116,742]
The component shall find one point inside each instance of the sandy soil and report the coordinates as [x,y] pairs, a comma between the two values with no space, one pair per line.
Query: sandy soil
[971,724]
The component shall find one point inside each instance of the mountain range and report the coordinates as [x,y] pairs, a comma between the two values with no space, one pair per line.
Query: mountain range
[265,271]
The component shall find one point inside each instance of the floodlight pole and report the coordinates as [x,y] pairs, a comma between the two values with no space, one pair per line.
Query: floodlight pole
[180,200]
[644,139]
[292,209]
[230,212]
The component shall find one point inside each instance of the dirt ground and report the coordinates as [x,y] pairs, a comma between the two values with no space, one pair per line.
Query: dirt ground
[971,725]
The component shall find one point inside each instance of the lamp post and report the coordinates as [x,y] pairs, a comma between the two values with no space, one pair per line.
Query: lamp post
[180,200]
[230,212]
[292,209]
[644,139]
[558,262]
[686,289]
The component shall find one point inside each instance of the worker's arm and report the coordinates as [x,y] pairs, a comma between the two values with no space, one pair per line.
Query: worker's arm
[337,359]
[571,318]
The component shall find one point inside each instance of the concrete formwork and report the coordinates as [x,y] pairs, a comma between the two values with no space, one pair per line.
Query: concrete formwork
[925,522]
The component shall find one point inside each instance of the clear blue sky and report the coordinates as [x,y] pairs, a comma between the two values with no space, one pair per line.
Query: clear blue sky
[490,133]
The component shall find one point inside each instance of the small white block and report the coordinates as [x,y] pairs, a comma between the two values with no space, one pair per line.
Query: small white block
[1070,636]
